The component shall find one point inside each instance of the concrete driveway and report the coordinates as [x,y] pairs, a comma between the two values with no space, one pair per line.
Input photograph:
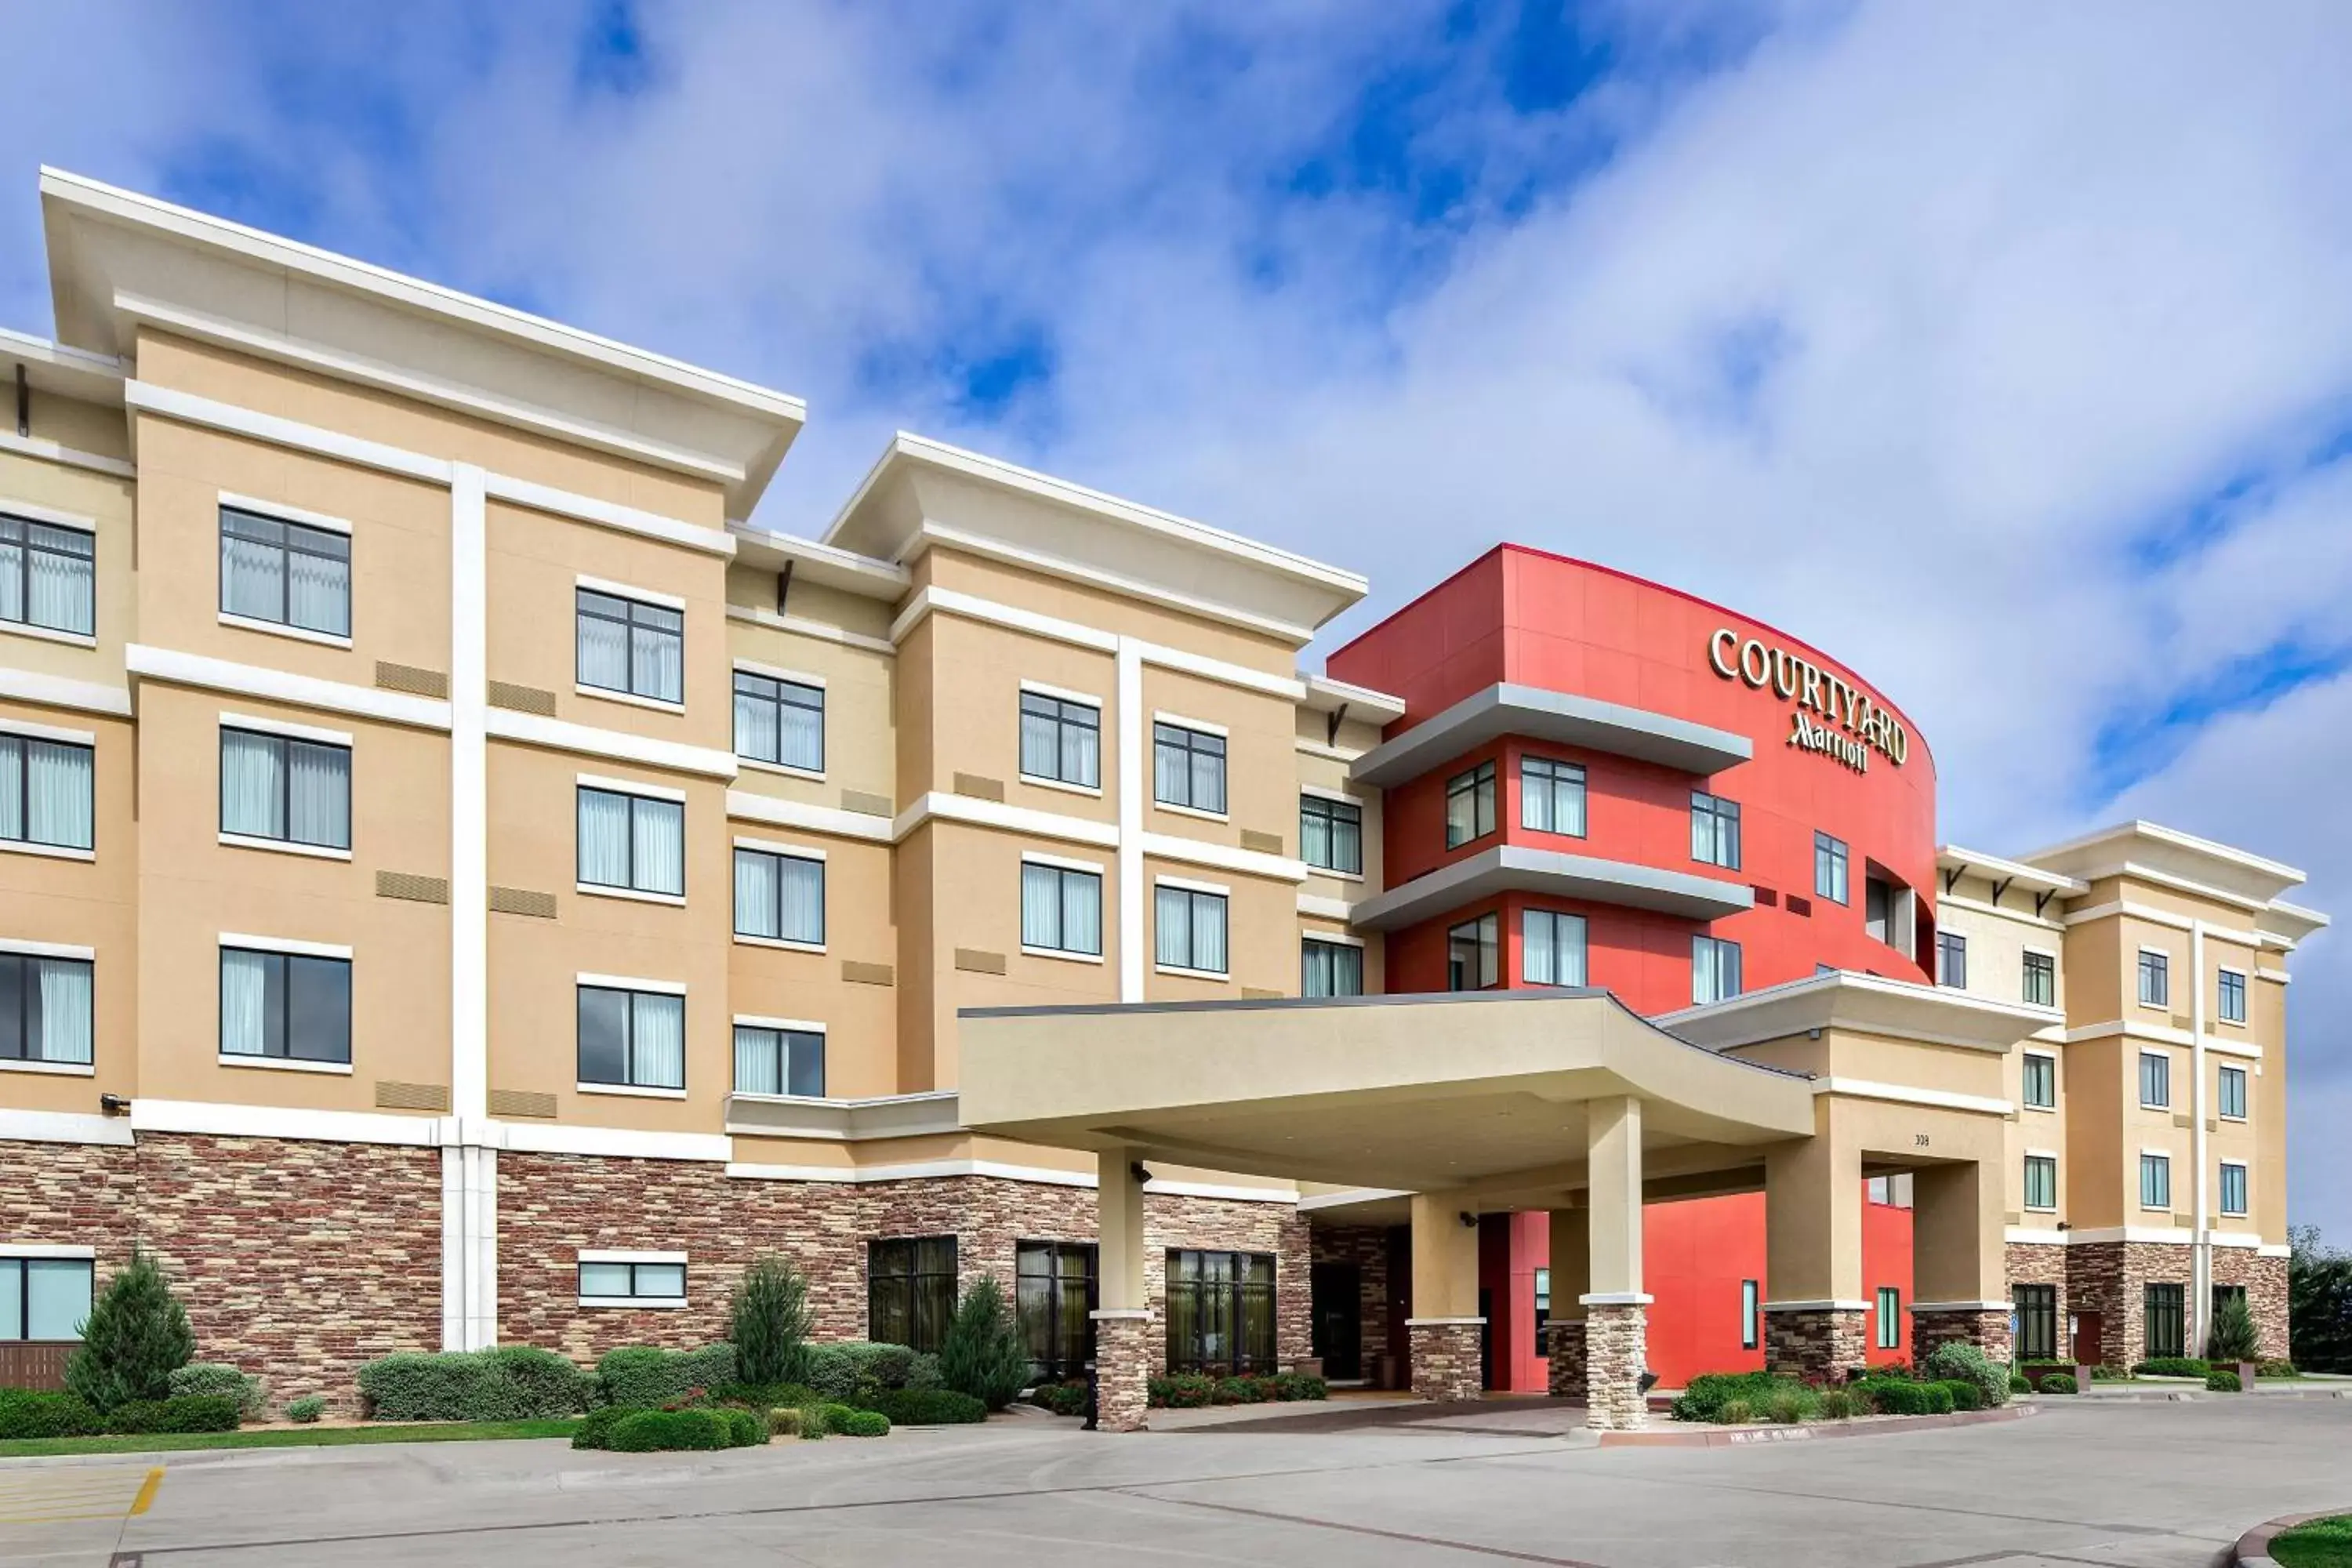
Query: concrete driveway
[2140,1484]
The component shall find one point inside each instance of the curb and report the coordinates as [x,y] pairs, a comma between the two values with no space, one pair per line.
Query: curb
[1756,1436]
[2253,1548]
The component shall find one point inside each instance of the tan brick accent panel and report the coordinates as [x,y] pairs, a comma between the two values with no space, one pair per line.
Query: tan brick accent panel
[1445,1365]
[1815,1344]
[1566,1358]
[1616,1351]
[1123,1360]
[1988,1331]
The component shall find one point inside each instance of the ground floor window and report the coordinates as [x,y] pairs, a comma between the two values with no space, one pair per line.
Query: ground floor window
[1543,1310]
[1221,1312]
[43,1297]
[2037,1322]
[1890,1318]
[1054,1289]
[910,1291]
[1751,1330]
[2167,1327]
[633,1278]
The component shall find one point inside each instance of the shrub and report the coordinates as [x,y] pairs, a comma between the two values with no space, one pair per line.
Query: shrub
[1706,1393]
[1791,1404]
[762,1395]
[2019,1384]
[2058,1383]
[647,1376]
[768,1319]
[137,1335]
[1958,1362]
[596,1431]
[2276,1369]
[1180,1390]
[864,1423]
[923,1371]
[512,1383]
[983,1354]
[307,1409]
[1243,1391]
[1938,1397]
[2224,1382]
[2170,1366]
[1734,1413]
[783,1422]
[1300,1385]
[29,1413]
[2103,1374]
[745,1428]
[936,1406]
[851,1369]
[2232,1335]
[184,1412]
[1839,1405]
[1895,1397]
[1966,1396]
[1060,1398]
[221,1379]
[649,1431]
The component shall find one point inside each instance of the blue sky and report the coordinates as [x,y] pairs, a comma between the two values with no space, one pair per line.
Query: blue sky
[2003,350]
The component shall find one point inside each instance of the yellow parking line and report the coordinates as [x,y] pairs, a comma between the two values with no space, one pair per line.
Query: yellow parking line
[77,1495]
[147,1490]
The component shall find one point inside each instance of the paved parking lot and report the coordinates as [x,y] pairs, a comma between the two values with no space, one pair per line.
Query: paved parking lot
[2138,1484]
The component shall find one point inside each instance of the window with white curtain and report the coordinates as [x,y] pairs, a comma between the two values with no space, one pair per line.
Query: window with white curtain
[778,1060]
[1552,796]
[778,897]
[1189,926]
[1551,948]
[1715,830]
[633,1039]
[284,572]
[632,646]
[1061,739]
[49,575]
[45,1009]
[44,1299]
[274,786]
[632,841]
[1061,908]
[1188,768]
[285,1007]
[1331,834]
[45,792]
[779,721]
[1330,968]
[1715,970]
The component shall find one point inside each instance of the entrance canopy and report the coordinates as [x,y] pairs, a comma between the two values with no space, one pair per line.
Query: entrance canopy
[1417,1093]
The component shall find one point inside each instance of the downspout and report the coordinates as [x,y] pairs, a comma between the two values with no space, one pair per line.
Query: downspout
[2201,1249]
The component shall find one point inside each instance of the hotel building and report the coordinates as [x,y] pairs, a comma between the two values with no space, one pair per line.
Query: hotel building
[462,884]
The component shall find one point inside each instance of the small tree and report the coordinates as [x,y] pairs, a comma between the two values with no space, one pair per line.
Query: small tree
[136,1337]
[983,1354]
[2233,1336]
[771,1317]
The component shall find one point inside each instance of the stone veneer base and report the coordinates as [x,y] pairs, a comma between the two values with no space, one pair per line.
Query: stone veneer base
[1987,1330]
[1564,1378]
[1616,1350]
[1445,1360]
[1122,1371]
[1816,1343]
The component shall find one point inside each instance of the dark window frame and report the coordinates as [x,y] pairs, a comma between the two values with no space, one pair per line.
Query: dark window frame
[2036,1307]
[1556,776]
[776,876]
[279,972]
[2164,1320]
[285,745]
[1061,875]
[2155,988]
[24,1296]
[1722,817]
[2041,980]
[2048,1065]
[1192,745]
[628,1078]
[1306,947]
[785,1042]
[1478,784]
[2148,1164]
[580,1280]
[1486,931]
[1832,869]
[898,1262]
[2245,1190]
[1194,900]
[19,1033]
[630,624]
[27,547]
[1239,1289]
[2222,1097]
[23,747]
[2230,996]
[1887,1318]
[1334,816]
[1719,946]
[1066,714]
[1751,1314]
[1952,960]
[2047,1163]
[1057,1287]
[1554,919]
[579,868]
[788,693]
[287,546]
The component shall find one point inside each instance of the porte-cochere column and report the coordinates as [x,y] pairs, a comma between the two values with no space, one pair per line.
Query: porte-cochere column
[1123,1319]
[1442,1336]
[1616,1333]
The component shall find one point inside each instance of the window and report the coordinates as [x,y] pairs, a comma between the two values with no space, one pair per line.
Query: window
[1330,968]
[1061,908]
[1061,739]
[2036,1307]
[628,647]
[45,1009]
[1715,830]
[285,573]
[1474,958]
[2041,1081]
[1053,1292]
[1190,928]
[613,1280]
[1188,768]
[1952,960]
[631,841]
[2232,1097]
[1750,1314]
[295,792]
[48,578]
[2041,980]
[1551,948]
[1543,1309]
[1470,805]
[2155,980]
[2233,1189]
[2155,1081]
[285,1007]
[1331,834]
[43,1299]
[778,897]
[1552,796]
[45,792]
[2164,1307]
[632,1039]
[1890,1318]
[2156,1181]
[1830,868]
[775,1059]
[2233,997]
[1221,1312]
[2040,1181]
[910,1291]
[779,721]
[1715,970]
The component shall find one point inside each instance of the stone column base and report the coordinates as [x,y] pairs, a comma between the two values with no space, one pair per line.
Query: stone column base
[1987,1328]
[1616,1345]
[1444,1354]
[1567,1352]
[1122,1369]
[1820,1344]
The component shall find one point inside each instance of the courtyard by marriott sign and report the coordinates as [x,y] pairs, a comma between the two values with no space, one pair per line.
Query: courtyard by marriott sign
[1831,716]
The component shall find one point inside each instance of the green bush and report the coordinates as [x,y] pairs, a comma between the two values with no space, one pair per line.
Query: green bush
[2170,1366]
[2019,1384]
[2058,1383]
[1966,1396]
[512,1383]
[1180,1390]
[182,1413]
[1060,1398]
[933,1406]
[307,1409]
[1839,1405]
[1960,1362]
[1300,1385]
[745,1428]
[1704,1393]
[762,1396]
[784,1422]
[983,1354]
[1791,1404]
[2224,1382]
[769,1320]
[1242,1390]
[2232,1335]
[2276,1369]
[647,1377]
[851,1369]
[137,1335]
[1734,1413]
[864,1424]
[1939,1397]
[651,1431]
[923,1372]
[596,1430]
[2103,1374]
[29,1413]
[1895,1396]
[220,1378]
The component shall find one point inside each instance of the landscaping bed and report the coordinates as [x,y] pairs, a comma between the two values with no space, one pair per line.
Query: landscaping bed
[1953,1379]
[2316,1543]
